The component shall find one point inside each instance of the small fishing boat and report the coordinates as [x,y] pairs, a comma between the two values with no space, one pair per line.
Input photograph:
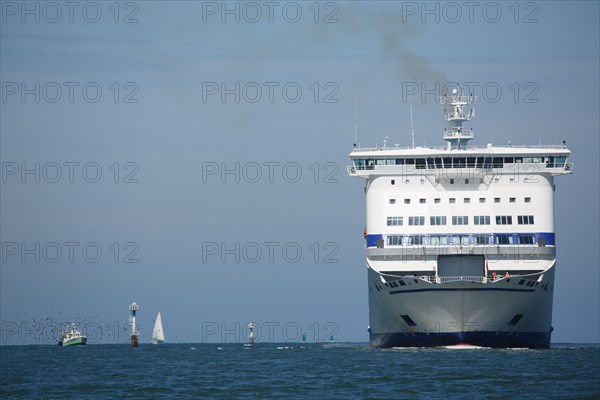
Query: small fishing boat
[72,337]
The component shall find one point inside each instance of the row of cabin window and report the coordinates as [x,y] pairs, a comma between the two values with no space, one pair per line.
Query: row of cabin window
[398,240]
[460,220]
[458,162]
[466,200]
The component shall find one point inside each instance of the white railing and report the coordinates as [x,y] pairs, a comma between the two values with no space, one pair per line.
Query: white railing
[567,167]
[463,134]
[470,147]
[446,279]
[467,278]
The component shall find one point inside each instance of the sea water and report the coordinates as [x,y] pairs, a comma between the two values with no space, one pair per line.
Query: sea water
[292,370]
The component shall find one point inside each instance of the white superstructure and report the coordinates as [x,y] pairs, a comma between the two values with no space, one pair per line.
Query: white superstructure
[460,239]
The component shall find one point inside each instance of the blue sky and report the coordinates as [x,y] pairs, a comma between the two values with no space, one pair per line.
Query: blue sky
[172,134]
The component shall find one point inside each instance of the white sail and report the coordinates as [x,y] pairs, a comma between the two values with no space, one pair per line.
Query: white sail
[158,335]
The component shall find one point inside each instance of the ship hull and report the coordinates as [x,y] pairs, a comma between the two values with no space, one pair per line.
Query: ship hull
[510,312]
[79,341]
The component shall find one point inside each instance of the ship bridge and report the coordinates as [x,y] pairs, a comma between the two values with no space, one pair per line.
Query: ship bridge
[551,159]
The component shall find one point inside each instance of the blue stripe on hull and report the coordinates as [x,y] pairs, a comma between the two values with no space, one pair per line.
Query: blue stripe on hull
[549,237]
[534,340]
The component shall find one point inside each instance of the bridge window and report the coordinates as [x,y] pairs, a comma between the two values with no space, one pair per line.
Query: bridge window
[458,162]
[420,163]
[395,221]
[487,162]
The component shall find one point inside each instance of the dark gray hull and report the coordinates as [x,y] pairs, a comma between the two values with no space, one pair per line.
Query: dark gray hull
[510,312]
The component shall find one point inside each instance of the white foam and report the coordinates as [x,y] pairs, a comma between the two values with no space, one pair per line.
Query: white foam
[463,347]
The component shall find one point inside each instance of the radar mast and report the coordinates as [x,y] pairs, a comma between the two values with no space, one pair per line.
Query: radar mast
[457,136]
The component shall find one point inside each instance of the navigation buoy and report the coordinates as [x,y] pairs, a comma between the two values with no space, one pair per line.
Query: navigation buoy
[134,329]
[251,335]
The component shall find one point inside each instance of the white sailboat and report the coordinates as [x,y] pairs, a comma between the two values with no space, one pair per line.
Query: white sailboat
[158,334]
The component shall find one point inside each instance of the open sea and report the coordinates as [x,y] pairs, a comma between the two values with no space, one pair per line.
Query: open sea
[313,371]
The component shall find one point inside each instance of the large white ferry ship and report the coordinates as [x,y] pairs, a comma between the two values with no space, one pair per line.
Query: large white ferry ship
[460,241]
